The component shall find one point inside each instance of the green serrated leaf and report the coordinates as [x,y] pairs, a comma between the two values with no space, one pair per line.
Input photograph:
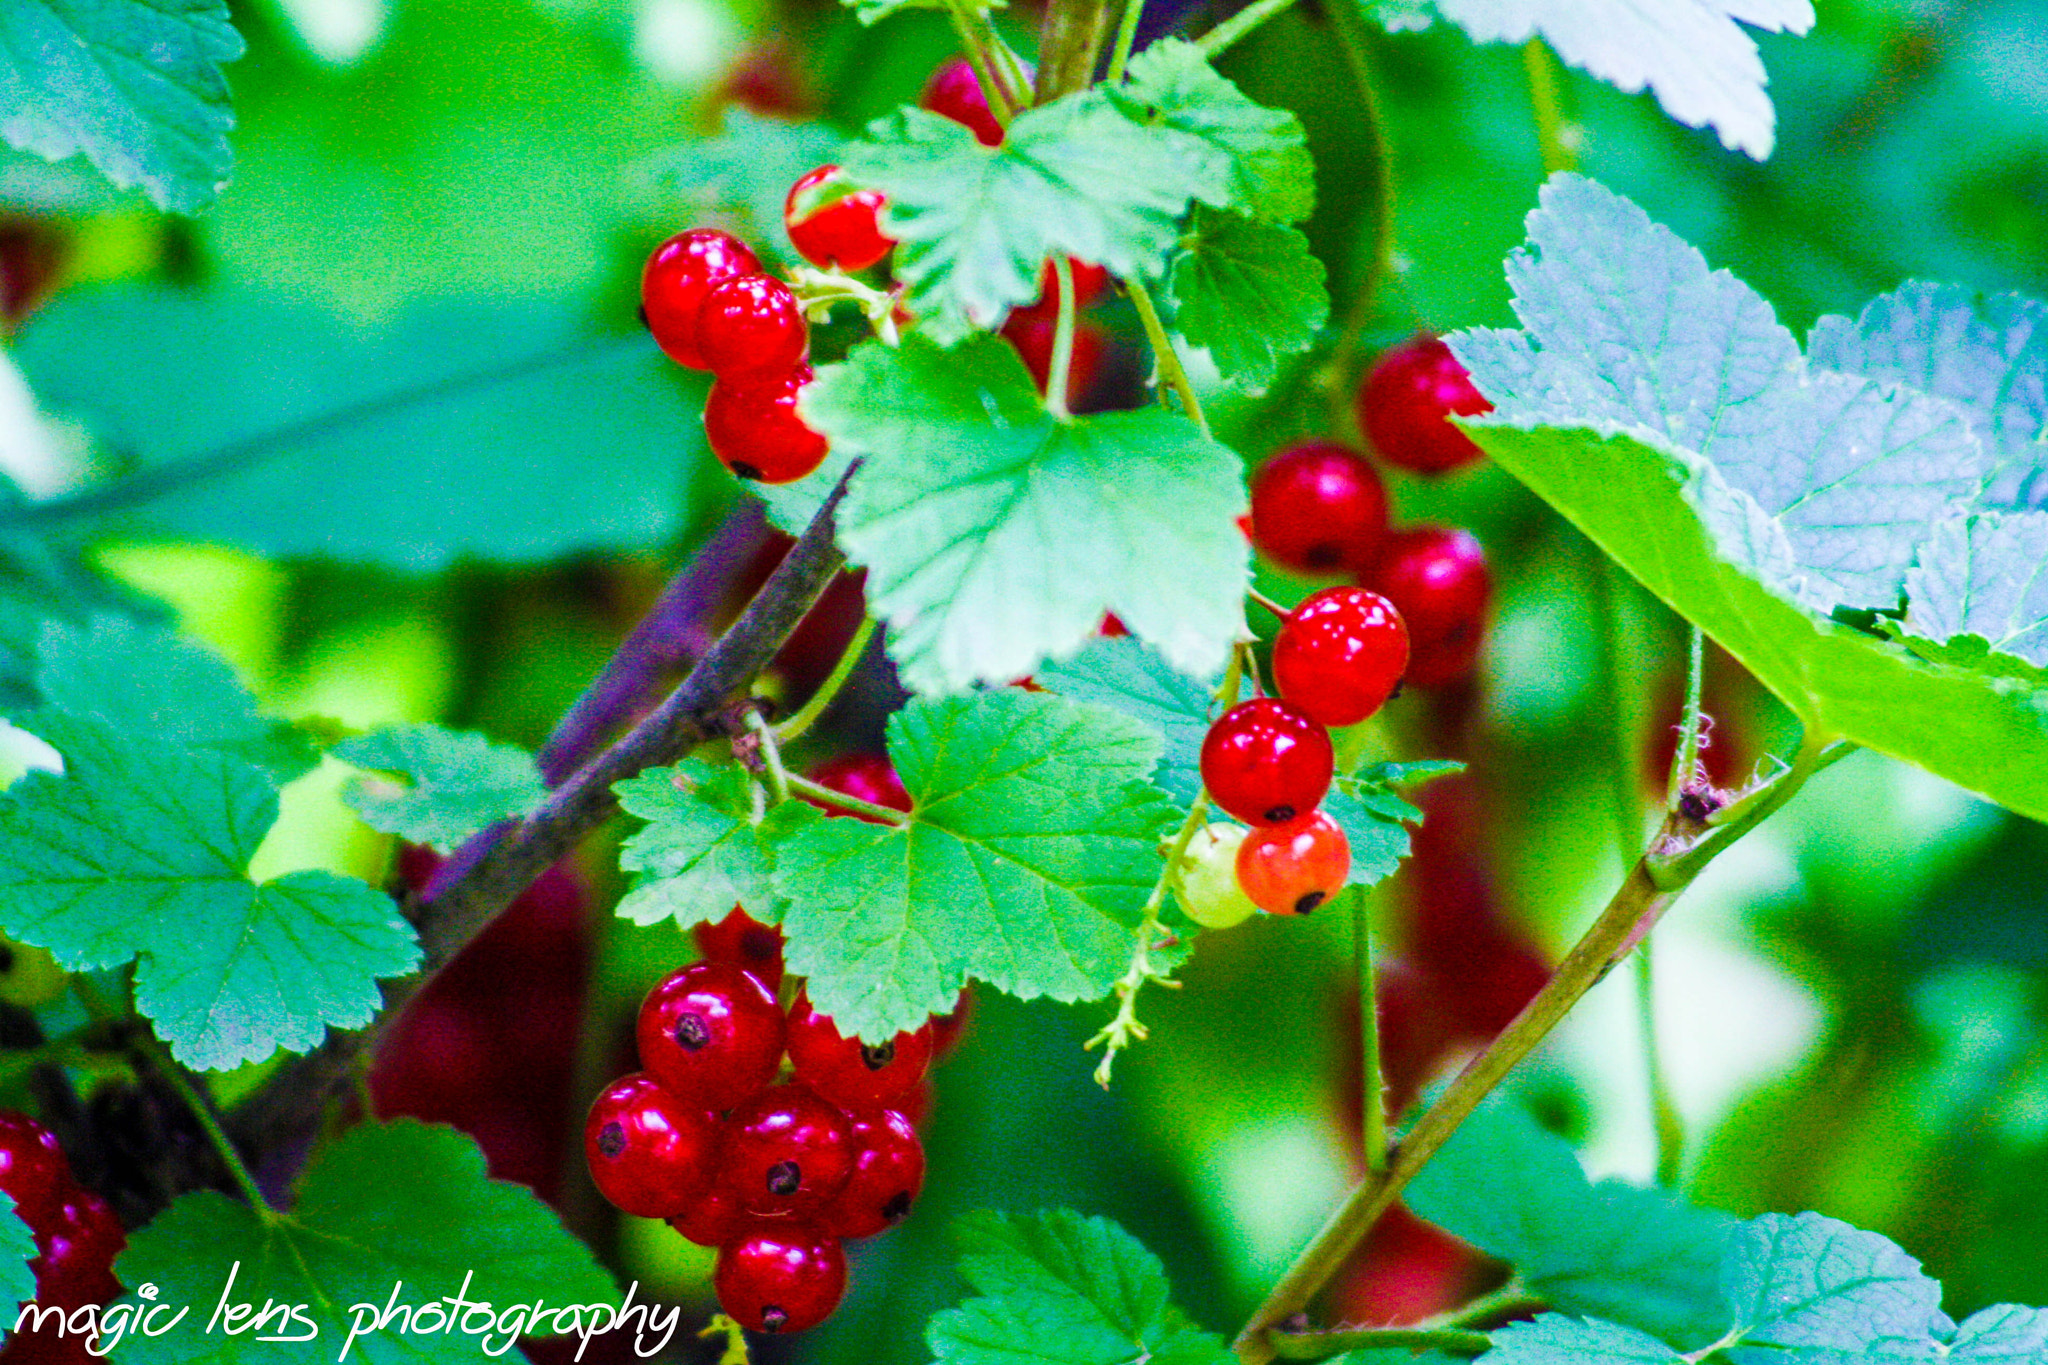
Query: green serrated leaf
[996,535]
[1554,1339]
[457,782]
[141,850]
[1662,411]
[1984,578]
[709,844]
[17,1249]
[1634,1256]
[520,468]
[2004,1334]
[1987,356]
[147,680]
[398,1210]
[1025,863]
[1260,153]
[750,164]
[1812,1281]
[135,85]
[1250,293]
[1124,675]
[1693,54]
[1076,177]
[1378,839]
[1058,1287]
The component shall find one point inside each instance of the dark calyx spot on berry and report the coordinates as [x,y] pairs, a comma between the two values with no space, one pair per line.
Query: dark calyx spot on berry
[1309,902]
[611,1139]
[878,1055]
[693,1032]
[1279,815]
[898,1207]
[773,1316]
[641,313]
[785,1177]
[745,471]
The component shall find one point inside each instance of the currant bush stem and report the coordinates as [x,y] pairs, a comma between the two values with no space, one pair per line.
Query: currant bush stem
[1551,136]
[1373,1119]
[821,700]
[489,872]
[1059,373]
[1240,24]
[1001,101]
[1126,36]
[1069,41]
[1323,1345]
[1675,857]
[818,791]
[1685,758]
[1164,355]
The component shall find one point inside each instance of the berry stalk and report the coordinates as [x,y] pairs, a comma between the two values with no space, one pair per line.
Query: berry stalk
[1164,355]
[828,691]
[820,794]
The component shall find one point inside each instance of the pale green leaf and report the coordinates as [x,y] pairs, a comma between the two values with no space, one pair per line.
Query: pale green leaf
[147,680]
[1554,1339]
[1250,293]
[996,535]
[135,85]
[384,1210]
[1813,1281]
[1060,1289]
[709,844]
[141,850]
[1025,863]
[1981,589]
[455,783]
[1260,153]
[1125,676]
[2004,1334]
[1378,838]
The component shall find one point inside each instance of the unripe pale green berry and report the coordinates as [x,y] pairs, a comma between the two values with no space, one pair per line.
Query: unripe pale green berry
[1208,889]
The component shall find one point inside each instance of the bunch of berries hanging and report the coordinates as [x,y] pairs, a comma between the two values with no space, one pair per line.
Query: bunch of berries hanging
[77,1239]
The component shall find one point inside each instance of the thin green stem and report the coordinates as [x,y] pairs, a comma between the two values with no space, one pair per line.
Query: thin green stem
[817,791]
[1060,373]
[771,755]
[1657,879]
[821,700]
[1504,1304]
[1685,757]
[1367,130]
[1664,1117]
[1164,355]
[1373,1118]
[1126,34]
[1001,102]
[1239,24]
[1323,1345]
[1010,67]
[1268,603]
[1559,154]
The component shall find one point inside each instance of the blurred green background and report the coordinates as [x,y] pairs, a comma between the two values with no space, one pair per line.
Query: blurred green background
[1851,1007]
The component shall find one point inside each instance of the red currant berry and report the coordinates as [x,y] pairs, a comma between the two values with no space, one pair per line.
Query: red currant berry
[753,428]
[1340,654]
[751,324]
[888,1172]
[713,1219]
[649,1152]
[1318,508]
[1405,403]
[850,1073]
[1091,282]
[745,942]
[956,92]
[864,777]
[833,226]
[1290,869]
[32,1168]
[782,1279]
[1437,579]
[78,1247]
[1266,762]
[711,1034]
[786,1151]
[1032,335]
[679,274]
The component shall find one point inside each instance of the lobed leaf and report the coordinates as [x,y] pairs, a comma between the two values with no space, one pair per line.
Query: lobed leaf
[1249,293]
[1258,155]
[1815,1282]
[1555,1339]
[710,843]
[457,783]
[1125,676]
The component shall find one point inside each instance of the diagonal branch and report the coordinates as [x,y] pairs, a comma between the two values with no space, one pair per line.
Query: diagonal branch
[281,1118]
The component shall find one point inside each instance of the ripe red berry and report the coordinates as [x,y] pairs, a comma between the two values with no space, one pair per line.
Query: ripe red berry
[711,1035]
[77,1248]
[650,1153]
[864,777]
[888,1172]
[679,274]
[746,943]
[832,226]
[852,1074]
[1032,335]
[1318,508]
[787,1278]
[713,1218]
[956,92]
[1405,402]
[1091,282]
[1266,762]
[1437,579]
[32,1168]
[1290,869]
[1340,654]
[786,1151]
[750,324]
[752,425]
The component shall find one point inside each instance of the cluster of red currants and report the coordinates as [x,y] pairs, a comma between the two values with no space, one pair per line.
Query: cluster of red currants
[776,1173]
[1319,508]
[77,1239]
